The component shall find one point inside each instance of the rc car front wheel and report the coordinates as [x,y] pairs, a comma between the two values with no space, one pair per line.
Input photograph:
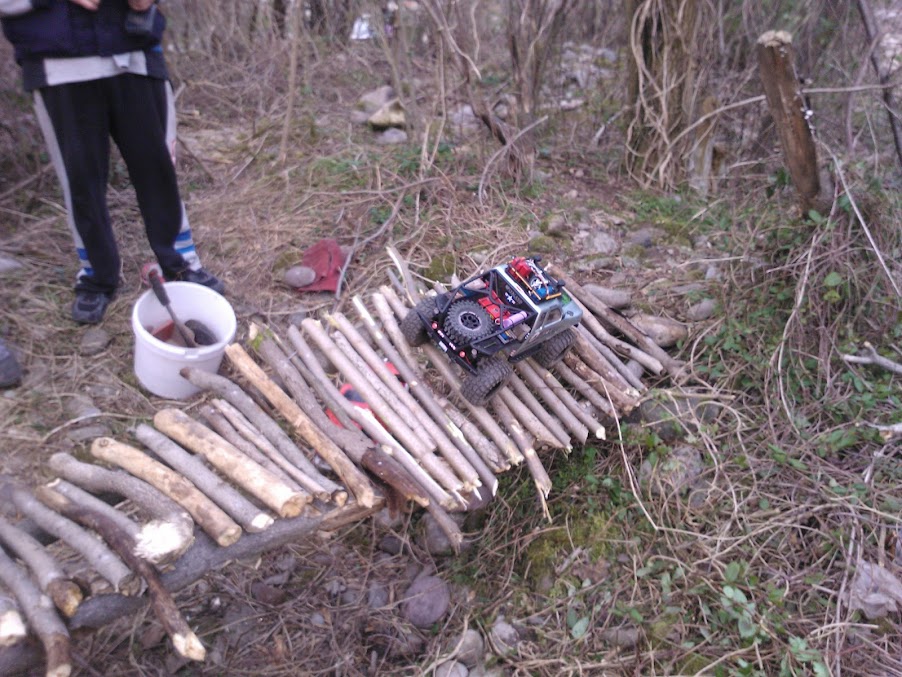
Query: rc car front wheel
[412,328]
[555,348]
[491,376]
[467,321]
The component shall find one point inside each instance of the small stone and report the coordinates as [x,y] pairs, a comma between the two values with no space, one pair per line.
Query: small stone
[572,194]
[451,669]
[426,601]
[388,519]
[94,341]
[353,596]
[556,224]
[662,330]
[9,265]
[317,620]
[625,638]
[712,273]
[391,137]
[703,310]
[471,648]
[612,298]
[80,406]
[504,637]
[389,115]
[299,276]
[268,594]
[87,433]
[391,544]
[646,237]
[375,99]
[377,596]
[672,418]
[434,540]
[673,474]
[297,317]
[601,243]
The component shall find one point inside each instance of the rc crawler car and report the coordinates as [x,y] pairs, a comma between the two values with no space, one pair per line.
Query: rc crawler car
[511,312]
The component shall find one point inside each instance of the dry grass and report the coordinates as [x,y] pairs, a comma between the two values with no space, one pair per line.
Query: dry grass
[742,576]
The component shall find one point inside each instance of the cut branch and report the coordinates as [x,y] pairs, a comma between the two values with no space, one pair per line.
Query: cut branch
[209,516]
[65,594]
[183,638]
[224,495]
[41,616]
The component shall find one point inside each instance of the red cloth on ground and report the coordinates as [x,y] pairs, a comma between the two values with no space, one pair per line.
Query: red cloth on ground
[326,259]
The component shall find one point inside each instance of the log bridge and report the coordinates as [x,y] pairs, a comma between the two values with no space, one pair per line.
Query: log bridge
[260,463]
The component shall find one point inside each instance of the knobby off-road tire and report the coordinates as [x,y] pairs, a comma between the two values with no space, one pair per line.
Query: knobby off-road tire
[491,376]
[412,328]
[467,321]
[554,348]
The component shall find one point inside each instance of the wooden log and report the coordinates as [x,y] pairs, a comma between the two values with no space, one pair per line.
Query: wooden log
[584,389]
[586,363]
[440,472]
[783,92]
[101,558]
[390,326]
[219,422]
[524,441]
[184,640]
[316,483]
[531,422]
[645,347]
[413,414]
[353,478]
[82,497]
[368,423]
[41,616]
[171,530]
[252,477]
[192,468]
[209,516]
[486,449]
[426,398]
[50,577]
[540,411]
[619,371]
[12,627]
[546,385]
[358,447]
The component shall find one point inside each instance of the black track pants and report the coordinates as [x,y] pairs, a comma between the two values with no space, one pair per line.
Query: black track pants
[78,120]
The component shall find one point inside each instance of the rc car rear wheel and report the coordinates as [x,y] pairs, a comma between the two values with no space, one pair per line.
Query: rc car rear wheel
[412,328]
[491,376]
[555,348]
[467,321]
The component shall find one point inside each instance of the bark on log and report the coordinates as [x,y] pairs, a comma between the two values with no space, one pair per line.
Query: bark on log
[215,416]
[183,638]
[50,577]
[618,372]
[353,478]
[790,112]
[543,436]
[545,383]
[361,449]
[82,497]
[589,366]
[165,538]
[253,478]
[525,395]
[209,516]
[41,616]
[616,322]
[426,398]
[192,468]
[368,423]
[316,483]
[411,442]
[101,558]
[524,441]
[448,450]
[486,449]
[584,389]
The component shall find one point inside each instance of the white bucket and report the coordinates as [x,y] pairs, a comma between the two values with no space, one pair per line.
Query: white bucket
[157,363]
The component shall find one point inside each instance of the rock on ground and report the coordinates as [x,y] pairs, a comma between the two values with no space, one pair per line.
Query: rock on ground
[504,637]
[94,341]
[471,648]
[452,669]
[426,601]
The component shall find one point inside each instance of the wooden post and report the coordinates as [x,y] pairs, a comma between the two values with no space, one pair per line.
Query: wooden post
[787,106]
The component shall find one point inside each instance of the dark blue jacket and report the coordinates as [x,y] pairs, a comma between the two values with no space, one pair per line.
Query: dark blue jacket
[60,29]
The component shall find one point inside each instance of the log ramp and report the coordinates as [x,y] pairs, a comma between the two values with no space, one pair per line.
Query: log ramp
[261,464]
